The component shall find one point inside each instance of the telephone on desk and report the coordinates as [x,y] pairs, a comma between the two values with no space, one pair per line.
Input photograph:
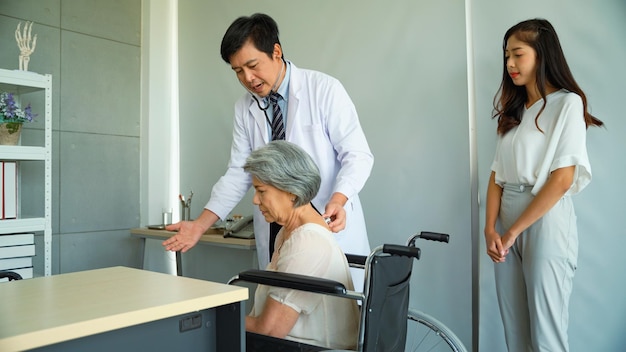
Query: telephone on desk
[239,227]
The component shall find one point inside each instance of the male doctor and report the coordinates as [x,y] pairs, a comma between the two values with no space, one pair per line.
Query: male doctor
[317,114]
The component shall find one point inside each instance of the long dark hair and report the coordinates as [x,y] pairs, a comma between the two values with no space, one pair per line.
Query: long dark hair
[552,68]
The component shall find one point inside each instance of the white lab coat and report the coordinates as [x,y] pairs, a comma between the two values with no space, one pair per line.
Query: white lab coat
[321,119]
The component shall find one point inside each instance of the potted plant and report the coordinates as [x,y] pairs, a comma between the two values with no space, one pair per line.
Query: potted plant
[12,117]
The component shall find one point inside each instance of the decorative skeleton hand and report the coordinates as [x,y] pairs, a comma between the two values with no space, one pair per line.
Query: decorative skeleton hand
[24,43]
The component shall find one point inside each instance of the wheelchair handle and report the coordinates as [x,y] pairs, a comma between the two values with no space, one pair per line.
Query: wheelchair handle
[434,236]
[411,252]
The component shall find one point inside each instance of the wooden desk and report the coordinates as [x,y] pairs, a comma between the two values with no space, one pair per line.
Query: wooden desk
[212,238]
[120,309]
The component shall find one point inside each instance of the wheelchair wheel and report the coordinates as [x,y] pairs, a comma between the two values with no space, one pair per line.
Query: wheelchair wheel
[425,333]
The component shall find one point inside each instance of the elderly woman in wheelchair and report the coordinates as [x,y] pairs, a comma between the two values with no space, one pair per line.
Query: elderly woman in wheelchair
[285,180]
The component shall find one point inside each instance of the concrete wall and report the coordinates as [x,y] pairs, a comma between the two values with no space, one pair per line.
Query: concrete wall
[92,49]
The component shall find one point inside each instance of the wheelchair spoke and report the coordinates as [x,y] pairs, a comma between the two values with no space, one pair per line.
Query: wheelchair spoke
[425,333]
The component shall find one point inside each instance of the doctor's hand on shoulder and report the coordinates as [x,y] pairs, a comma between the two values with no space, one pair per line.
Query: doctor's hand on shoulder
[335,211]
[188,233]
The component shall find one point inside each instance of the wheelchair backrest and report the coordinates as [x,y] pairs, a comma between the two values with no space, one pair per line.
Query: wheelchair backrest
[385,309]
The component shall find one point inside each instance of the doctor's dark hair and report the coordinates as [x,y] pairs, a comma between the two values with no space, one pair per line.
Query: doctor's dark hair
[287,167]
[552,69]
[260,28]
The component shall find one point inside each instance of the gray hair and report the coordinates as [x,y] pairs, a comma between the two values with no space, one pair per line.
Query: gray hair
[287,167]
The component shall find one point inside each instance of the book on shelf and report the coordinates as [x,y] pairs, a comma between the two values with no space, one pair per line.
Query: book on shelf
[17,239]
[17,251]
[16,263]
[8,201]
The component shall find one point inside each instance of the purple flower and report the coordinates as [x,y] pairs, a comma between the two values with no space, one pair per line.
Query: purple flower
[28,113]
[10,111]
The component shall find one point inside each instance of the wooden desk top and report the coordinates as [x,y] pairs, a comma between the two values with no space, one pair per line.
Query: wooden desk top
[211,237]
[47,310]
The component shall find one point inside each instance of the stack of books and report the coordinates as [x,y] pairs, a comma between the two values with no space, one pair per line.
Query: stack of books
[16,249]
[16,253]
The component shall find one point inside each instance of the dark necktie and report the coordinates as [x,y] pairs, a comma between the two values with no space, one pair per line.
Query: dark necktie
[278,126]
[278,132]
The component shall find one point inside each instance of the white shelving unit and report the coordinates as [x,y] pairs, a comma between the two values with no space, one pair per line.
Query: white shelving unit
[20,83]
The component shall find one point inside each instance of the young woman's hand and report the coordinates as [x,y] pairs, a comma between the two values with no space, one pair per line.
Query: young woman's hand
[495,249]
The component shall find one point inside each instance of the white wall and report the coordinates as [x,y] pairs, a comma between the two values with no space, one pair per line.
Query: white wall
[159,124]
[405,68]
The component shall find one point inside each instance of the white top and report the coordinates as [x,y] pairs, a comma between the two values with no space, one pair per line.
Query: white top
[322,120]
[525,155]
[52,309]
[324,320]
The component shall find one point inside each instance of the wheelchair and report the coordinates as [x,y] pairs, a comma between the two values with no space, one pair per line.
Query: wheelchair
[385,317]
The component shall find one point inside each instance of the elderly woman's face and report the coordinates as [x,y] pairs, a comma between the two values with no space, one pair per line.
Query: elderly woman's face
[274,204]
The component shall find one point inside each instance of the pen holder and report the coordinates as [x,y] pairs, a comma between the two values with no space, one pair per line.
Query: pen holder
[185,212]
[185,207]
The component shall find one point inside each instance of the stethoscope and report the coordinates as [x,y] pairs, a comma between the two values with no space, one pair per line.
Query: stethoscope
[267,104]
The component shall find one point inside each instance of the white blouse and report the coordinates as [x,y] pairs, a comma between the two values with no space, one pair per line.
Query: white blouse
[525,155]
[324,320]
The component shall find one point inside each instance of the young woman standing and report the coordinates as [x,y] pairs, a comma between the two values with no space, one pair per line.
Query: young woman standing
[540,161]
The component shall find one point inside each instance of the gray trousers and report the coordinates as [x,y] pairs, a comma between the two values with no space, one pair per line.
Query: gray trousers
[534,284]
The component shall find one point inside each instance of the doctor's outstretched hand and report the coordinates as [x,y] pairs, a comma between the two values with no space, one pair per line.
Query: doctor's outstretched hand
[335,211]
[188,233]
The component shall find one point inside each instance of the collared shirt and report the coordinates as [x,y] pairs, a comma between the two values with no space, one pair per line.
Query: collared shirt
[283,101]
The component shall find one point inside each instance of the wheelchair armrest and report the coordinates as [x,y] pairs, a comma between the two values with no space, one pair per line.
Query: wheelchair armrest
[355,259]
[293,281]
[11,275]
